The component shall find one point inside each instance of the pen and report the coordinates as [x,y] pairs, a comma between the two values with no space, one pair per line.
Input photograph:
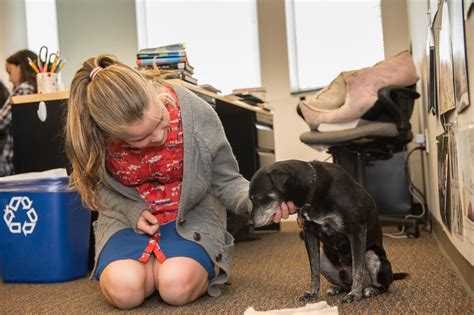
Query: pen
[40,65]
[58,65]
[32,65]
[61,65]
[45,68]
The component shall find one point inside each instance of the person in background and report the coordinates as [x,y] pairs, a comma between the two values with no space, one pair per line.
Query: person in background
[23,78]
[154,161]
[4,94]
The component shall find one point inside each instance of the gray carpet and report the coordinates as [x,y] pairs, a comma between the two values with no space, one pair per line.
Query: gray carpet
[268,274]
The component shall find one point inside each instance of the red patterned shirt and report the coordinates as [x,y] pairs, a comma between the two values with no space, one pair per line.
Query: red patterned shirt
[155,172]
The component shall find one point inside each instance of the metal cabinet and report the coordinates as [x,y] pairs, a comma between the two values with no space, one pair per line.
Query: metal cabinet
[250,134]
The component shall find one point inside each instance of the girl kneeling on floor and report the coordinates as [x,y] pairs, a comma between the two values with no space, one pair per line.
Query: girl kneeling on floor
[154,161]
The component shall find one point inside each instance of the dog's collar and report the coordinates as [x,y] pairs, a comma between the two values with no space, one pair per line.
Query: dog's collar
[311,192]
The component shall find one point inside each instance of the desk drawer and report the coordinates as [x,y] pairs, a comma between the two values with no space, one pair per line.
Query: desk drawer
[265,119]
[265,137]
[266,158]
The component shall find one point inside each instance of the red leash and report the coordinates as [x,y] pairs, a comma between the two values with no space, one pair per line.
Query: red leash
[153,247]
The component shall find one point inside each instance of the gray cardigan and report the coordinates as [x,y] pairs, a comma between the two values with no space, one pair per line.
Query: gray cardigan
[211,183]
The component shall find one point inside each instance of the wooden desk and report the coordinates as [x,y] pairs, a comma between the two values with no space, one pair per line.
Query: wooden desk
[227,99]
[31,98]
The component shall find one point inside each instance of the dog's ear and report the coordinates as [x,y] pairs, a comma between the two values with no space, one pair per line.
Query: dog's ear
[279,178]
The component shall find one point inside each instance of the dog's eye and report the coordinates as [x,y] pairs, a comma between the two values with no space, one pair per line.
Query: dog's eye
[270,196]
[263,198]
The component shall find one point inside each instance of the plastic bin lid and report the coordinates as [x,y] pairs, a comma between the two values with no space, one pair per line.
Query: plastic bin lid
[48,181]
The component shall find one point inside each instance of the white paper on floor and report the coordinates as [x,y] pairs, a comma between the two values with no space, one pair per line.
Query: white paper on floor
[311,308]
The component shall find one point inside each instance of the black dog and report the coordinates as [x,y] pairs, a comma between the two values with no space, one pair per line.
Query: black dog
[339,213]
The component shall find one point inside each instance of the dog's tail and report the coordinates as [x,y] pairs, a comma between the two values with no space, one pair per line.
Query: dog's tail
[400,275]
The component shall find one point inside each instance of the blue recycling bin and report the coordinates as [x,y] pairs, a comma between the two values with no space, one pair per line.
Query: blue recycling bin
[44,232]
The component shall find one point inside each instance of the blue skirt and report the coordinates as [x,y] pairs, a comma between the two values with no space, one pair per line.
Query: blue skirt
[126,244]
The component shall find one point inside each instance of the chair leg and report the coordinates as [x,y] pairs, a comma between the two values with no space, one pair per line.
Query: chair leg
[360,172]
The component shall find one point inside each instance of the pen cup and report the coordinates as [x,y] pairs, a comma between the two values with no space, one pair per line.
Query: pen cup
[47,82]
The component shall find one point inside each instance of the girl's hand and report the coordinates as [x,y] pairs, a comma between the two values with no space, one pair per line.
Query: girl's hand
[147,223]
[283,211]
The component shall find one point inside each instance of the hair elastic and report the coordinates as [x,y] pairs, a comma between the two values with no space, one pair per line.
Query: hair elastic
[94,72]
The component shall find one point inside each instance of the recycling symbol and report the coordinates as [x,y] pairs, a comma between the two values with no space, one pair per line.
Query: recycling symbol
[17,204]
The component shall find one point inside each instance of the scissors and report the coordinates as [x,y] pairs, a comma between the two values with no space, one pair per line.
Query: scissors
[45,59]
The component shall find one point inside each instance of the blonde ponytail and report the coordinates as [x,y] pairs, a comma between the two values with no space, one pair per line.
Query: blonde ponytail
[101,105]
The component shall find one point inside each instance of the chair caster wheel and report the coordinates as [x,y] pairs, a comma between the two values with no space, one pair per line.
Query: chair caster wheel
[413,231]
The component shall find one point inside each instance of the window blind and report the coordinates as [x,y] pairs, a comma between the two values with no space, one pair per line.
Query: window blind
[326,37]
[221,37]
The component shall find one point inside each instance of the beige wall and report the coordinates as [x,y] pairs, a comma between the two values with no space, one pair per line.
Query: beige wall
[87,28]
[12,32]
[395,26]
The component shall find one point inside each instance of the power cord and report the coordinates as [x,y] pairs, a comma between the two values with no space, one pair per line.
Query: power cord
[416,194]
[421,198]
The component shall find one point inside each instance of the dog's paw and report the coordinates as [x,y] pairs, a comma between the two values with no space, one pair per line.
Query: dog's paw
[309,296]
[335,290]
[371,291]
[351,297]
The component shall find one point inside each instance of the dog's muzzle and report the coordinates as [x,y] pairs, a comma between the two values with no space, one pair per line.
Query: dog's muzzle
[261,217]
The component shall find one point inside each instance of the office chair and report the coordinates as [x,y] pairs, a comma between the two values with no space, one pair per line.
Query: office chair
[373,153]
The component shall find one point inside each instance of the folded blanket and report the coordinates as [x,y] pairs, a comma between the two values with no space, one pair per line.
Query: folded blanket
[361,89]
[333,95]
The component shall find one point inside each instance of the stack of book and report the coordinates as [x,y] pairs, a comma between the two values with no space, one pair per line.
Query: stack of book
[171,60]
[253,96]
